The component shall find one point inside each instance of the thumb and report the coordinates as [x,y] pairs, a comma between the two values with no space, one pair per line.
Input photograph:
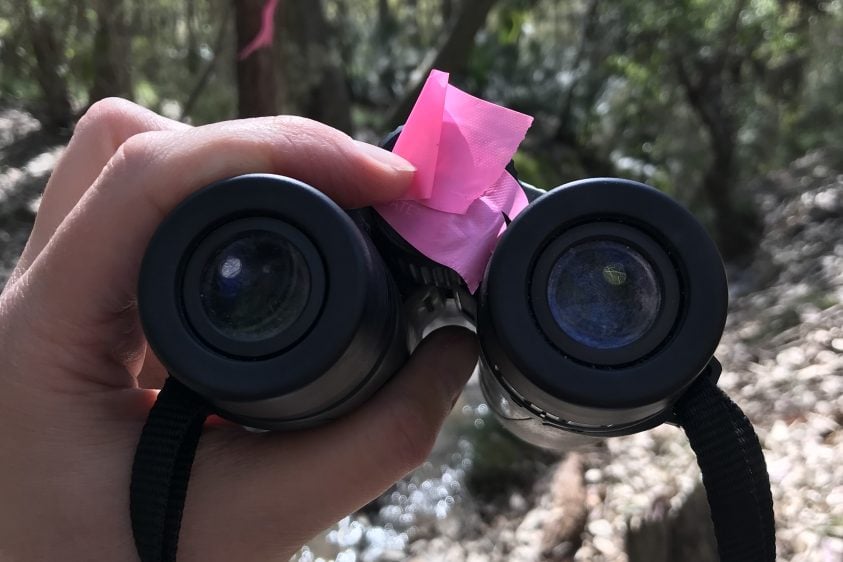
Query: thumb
[305,481]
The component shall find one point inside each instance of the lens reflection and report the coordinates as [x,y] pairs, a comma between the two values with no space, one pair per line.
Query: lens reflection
[603,294]
[255,286]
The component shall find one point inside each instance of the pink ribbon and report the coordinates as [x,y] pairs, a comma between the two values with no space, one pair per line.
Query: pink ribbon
[266,32]
[454,210]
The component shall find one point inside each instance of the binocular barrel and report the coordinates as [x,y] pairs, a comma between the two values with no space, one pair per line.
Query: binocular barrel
[602,302]
[263,296]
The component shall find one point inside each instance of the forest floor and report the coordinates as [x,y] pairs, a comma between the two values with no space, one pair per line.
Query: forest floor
[630,499]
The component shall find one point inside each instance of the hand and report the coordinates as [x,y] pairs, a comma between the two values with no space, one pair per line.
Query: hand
[78,379]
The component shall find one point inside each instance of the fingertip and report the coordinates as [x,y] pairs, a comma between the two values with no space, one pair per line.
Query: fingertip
[391,174]
[452,351]
[389,160]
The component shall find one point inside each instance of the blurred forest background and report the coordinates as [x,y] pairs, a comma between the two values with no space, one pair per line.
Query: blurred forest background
[693,96]
[733,106]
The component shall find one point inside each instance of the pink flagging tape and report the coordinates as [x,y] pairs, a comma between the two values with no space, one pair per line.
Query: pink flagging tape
[266,32]
[454,211]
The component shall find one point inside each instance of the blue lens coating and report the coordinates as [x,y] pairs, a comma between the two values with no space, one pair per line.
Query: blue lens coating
[255,286]
[603,294]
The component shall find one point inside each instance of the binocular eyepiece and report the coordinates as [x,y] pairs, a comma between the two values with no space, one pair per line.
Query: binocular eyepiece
[602,302]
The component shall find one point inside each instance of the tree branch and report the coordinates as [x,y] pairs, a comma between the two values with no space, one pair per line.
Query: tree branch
[202,82]
[588,28]
[452,55]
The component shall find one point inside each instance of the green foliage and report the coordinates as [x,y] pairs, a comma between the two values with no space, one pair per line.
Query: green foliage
[603,79]
[160,45]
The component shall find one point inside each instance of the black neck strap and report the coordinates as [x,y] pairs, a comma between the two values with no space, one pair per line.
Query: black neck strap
[161,470]
[728,452]
[733,471]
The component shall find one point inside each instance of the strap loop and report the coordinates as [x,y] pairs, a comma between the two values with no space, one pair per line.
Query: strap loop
[161,470]
[734,473]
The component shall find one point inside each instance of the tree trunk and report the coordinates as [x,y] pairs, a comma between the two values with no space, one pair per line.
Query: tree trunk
[386,30]
[452,55]
[711,86]
[256,82]
[386,23]
[583,93]
[344,41]
[447,12]
[737,226]
[210,66]
[314,81]
[112,52]
[192,41]
[48,49]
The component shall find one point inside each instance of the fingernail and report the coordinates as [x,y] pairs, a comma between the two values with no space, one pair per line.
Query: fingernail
[384,157]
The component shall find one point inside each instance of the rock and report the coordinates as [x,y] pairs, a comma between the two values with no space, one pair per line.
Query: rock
[563,528]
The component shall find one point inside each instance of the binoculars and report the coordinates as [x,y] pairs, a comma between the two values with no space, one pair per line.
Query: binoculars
[602,302]
[598,315]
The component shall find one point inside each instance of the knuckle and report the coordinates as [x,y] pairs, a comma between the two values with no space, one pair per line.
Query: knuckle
[324,148]
[296,122]
[138,152]
[104,115]
[305,130]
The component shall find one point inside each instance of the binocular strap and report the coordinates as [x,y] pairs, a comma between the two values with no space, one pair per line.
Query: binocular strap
[728,451]
[161,470]
[733,472]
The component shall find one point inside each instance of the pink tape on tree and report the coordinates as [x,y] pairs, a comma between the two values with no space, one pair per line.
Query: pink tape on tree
[454,211]
[265,33]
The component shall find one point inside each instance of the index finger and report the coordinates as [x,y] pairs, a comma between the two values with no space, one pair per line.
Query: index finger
[87,274]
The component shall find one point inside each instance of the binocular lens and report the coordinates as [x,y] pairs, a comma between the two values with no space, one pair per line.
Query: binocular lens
[255,286]
[603,294]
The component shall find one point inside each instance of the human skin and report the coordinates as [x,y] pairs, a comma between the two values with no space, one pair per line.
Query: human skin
[78,379]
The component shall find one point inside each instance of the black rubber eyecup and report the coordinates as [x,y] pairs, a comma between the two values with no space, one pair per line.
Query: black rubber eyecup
[197,352]
[602,387]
